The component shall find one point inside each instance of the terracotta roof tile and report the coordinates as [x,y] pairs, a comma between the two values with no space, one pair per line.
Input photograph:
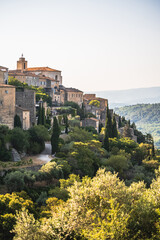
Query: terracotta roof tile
[42,69]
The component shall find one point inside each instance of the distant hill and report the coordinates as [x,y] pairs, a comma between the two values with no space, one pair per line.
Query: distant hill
[131,96]
[146,117]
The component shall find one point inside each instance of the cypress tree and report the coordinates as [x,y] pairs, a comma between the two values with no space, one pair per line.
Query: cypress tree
[17,121]
[153,150]
[39,114]
[114,128]
[109,123]
[119,122]
[55,136]
[66,124]
[106,137]
[43,116]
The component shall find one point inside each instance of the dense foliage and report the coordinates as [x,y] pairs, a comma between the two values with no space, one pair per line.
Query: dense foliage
[98,208]
[40,92]
[146,117]
[97,186]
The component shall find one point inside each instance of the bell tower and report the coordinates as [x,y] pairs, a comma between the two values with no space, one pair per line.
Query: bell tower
[22,64]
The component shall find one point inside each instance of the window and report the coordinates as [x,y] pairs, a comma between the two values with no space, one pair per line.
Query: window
[6,91]
[24,65]
[56,77]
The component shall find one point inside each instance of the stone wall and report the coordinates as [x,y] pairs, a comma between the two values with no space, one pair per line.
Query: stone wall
[3,75]
[90,122]
[26,99]
[7,105]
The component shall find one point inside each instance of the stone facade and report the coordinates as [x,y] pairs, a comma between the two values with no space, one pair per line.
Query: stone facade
[26,99]
[24,117]
[3,75]
[48,78]
[93,122]
[71,95]
[7,105]
[103,102]
[43,77]
[47,72]
[22,64]
[29,78]
[99,112]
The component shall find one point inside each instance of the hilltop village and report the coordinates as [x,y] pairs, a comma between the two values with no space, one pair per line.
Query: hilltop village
[93,169]
[21,101]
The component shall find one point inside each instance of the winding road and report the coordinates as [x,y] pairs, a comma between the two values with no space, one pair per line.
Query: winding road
[46,154]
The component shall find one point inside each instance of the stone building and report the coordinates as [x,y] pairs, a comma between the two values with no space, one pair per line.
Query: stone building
[47,72]
[103,102]
[48,78]
[29,78]
[7,105]
[3,75]
[99,112]
[71,95]
[26,99]
[43,77]
[93,122]
[24,115]
[22,64]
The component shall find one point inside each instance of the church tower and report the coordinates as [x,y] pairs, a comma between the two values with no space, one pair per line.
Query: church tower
[22,64]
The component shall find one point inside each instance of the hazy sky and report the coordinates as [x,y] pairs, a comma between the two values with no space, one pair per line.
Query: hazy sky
[98,44]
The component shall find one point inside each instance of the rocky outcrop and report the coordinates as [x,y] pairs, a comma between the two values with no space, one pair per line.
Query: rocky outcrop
[15,155]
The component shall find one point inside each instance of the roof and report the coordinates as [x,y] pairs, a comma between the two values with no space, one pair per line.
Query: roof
[3,68]
[14,73]
[72,90]
[45,69]
[22,74]
[6,86]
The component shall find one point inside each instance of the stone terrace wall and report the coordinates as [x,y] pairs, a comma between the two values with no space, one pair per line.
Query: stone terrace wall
[26,99]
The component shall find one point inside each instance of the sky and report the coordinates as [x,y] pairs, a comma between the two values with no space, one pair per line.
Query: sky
[97,44]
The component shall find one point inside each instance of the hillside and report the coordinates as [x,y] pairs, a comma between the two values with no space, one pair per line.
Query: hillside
[131,96]
[146,117]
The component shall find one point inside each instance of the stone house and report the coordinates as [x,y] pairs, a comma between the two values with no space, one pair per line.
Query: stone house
[47,72]
[93,122]
[3,75]
[24,115]
[29,78]
[71,95]
[7,105]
